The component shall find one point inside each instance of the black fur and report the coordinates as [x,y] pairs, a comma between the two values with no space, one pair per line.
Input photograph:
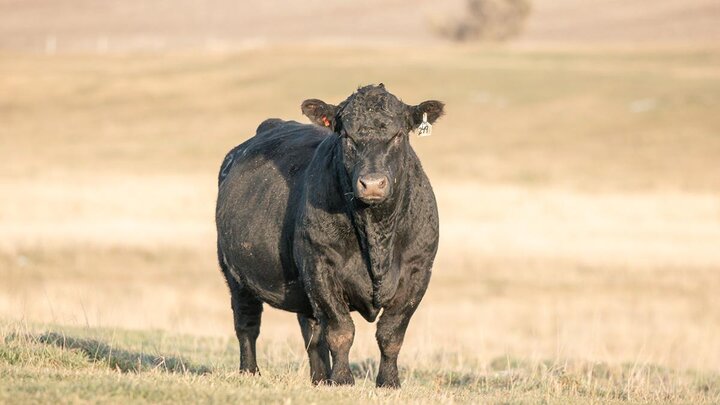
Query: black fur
[293,233]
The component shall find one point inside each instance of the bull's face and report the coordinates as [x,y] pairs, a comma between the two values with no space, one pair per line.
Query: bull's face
[373,126]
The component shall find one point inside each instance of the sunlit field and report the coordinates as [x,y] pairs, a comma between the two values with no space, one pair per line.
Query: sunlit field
[579,209]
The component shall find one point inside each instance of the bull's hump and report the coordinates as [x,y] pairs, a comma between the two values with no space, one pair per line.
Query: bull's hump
[285,146]
[269,124]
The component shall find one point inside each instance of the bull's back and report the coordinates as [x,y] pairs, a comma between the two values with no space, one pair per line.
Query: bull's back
[259,189]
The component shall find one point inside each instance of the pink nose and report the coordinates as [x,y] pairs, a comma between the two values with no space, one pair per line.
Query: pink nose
[372,186]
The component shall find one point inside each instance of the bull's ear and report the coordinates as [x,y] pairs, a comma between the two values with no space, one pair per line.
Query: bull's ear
[319,112]
[433,108]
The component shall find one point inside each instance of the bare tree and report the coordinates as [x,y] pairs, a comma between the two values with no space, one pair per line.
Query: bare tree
[488,20]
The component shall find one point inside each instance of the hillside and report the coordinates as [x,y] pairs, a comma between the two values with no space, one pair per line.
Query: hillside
[113,25]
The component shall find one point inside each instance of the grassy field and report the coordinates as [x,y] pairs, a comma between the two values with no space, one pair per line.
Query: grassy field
[585,119]
[99,365]
[580,225]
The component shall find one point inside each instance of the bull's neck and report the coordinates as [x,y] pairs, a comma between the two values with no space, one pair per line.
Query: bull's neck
[376,228]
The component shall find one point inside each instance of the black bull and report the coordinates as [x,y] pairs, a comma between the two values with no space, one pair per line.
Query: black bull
[326,219]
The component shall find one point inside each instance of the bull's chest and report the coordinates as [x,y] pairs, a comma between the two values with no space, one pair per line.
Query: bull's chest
[357,286]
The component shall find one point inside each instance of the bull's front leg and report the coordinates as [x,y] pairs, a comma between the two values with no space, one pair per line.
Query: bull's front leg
[317,349]
[340,332]
[333,312]
[392,326]
[338,328]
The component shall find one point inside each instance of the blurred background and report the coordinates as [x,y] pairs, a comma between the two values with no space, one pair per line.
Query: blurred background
[577,169]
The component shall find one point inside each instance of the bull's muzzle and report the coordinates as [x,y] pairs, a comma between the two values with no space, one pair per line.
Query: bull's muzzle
[372,188]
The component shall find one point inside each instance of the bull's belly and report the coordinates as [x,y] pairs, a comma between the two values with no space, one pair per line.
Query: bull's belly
[279,285]
[267,274]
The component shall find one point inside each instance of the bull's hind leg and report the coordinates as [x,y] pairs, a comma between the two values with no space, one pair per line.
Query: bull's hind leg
[316,347]
[247,311]
[392,325]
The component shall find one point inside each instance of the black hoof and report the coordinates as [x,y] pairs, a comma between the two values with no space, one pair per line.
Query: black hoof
[341,379]
[383,382]
[250,371]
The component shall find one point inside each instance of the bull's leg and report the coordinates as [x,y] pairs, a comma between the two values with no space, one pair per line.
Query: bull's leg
[339,332]
[247,311]
[337,328]
[316,347]
[392,326]
[333,313]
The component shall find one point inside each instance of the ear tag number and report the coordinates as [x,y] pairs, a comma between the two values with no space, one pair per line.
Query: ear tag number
[425,128]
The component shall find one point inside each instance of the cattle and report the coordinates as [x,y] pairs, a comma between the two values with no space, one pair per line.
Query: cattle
[327,218]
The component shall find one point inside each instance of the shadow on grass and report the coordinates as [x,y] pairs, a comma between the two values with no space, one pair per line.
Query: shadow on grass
[367,369]
[123,360]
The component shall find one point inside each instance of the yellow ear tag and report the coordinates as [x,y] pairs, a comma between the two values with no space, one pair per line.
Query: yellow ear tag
[425,128]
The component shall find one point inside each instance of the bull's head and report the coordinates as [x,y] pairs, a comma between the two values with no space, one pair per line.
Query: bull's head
[374,128]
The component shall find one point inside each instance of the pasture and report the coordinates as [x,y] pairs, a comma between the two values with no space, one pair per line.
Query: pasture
[580,225]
